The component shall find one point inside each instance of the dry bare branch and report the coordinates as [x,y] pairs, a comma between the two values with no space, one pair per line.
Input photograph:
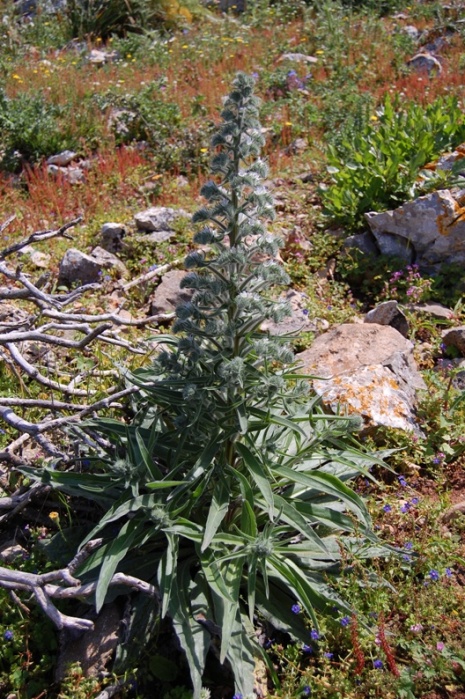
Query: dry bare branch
[158,272]
[38,236]
[66,586]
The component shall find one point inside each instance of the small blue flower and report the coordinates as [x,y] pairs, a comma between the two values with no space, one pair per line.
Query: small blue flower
[434,575]
[152,267]
[305,311]
[407,558]
[291,73]
[449,572]
[328,655]
[8,635]
[296,609]
[415,501]
[408,546]
[237,696]
[405,507]
[378,664]
[387,508]
[345,621]
[314,635]
[402,481]
[306,691]
[307,649]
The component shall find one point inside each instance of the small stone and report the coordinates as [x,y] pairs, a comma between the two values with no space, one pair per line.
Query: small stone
[38,258]
[411,31]
[389,313]
[364,242]
[109,261]
[112,235]
[455,338]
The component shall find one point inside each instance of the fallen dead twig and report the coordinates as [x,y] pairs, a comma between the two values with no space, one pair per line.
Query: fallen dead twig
[61,584]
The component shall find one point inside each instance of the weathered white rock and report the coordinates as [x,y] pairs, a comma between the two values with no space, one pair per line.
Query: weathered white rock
[367,369]
[158,218]
[64,158]
[38,258]
[298,322]
[430,229]
[99,57]
[437,310]
[388,313]
[298,58]
[449,160]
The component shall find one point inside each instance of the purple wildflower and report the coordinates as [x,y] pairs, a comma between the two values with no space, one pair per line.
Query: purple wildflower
[440,646]
[345,621]
[314,635]
[307,649]
[328,655]
[449,572]
[434,575]
[296,609]
[387,508]
[306,691]
[415,501]
[405,507]
[8,635]
[402,481]
[408,546]
[378,664]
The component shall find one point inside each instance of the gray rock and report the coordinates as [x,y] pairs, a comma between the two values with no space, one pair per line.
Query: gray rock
[155,237]
[12,551]
[64,158]
[450,161]
[368,369]
[389,313]
[363,242]
[76,266]
[430,230]
[109,261]
[158,218]
[74,175]
[298,58]
[169,293]
[455,337]
[112,235]
[436,310]
[425,61]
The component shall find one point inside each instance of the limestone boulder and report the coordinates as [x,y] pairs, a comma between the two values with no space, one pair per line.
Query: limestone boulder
[367,369]
[429,230]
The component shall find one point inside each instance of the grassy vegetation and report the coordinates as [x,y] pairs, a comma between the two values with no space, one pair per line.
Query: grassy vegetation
[367,124]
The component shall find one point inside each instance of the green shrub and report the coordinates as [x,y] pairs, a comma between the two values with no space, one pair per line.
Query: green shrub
[228,486]
[31,128]
[102,18]
[376,166]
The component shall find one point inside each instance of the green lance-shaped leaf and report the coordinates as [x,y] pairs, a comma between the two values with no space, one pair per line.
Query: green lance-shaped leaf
[258,474]
[116,552]
[167,571]
[217,512]
[188,606]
